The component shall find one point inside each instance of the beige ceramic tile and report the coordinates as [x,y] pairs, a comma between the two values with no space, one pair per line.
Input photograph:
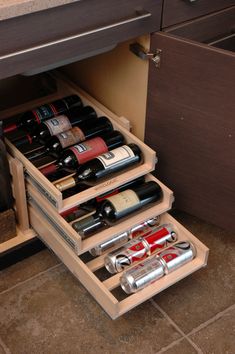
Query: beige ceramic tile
[53,313]
[202,295]
[26,268]
[2,351]
[218,337]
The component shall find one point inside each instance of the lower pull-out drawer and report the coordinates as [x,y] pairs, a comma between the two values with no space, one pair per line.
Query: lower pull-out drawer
[104,287]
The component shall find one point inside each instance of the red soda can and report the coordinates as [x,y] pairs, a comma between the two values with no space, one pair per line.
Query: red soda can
[139,248]
[175,256]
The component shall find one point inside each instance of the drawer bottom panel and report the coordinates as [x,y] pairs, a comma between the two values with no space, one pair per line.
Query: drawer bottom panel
[104,287]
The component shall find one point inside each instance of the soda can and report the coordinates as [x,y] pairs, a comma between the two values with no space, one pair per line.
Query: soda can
[142,275]
[175,256]
[133,251]
[145,228]
[160,238]
[138,249]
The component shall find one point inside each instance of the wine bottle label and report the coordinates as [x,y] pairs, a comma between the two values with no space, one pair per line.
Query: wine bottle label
[71,137]
[58,125]
[125,200]
[121,155]
[44,112]
[89,149]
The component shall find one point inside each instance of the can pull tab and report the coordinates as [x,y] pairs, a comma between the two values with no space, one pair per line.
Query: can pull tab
[143,54]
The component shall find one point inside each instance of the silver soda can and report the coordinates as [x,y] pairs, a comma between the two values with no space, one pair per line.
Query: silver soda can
[175,256]
[142,229]
[103,247]
[133,251]
[142,275]
[138,249]
[160,238]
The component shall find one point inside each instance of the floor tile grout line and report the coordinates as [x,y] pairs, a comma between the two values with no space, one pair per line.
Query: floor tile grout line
[171,345]
[199,351]
[211,320]
[5,348]
[29,279]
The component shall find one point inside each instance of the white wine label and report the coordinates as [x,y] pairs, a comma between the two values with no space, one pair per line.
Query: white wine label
[116,156]
[125,200]
[58,125]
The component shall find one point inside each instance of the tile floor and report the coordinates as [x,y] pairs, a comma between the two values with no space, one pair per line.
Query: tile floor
[44,309]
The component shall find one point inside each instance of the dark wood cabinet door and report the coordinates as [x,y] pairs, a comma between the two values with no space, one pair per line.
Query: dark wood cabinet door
[190,123]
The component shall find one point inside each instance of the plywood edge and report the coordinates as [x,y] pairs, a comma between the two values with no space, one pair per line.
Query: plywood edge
[19,239]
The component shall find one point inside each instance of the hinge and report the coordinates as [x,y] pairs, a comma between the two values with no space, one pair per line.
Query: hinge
[142,53]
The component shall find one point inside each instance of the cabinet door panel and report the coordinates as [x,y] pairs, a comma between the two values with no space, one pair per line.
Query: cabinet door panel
[190,122]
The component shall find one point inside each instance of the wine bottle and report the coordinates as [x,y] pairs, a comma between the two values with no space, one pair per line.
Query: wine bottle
[94,202]
[118,206]
[57,125]
[109,162]
[126,202]
[91,204]
[32,118]
[74,213]
[6,199]
[85,130]
[78,154]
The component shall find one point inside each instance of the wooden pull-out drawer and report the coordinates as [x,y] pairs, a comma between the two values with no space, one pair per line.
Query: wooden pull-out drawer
[71,32]
[108,292]
[50,192]
[176,11]
[193,133]
[74,240]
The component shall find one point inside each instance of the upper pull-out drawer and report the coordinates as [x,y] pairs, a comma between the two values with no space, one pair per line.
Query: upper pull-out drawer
[77,30]
[176,11]
[48,189]
[195,129]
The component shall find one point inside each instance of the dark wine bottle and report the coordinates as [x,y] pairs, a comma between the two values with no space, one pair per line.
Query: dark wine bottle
[78,154]
[85,130]
[57,125]
[74,213]
[128,201]
[6,199]
[94,202]
[109,162]
[118,206]
[91,205]
[32,118]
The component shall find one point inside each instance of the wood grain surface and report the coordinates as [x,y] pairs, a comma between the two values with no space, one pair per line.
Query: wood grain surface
[190,123]
[24,32]
[176,11]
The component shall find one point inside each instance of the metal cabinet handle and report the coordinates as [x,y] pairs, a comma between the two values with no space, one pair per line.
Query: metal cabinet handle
[140,15]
